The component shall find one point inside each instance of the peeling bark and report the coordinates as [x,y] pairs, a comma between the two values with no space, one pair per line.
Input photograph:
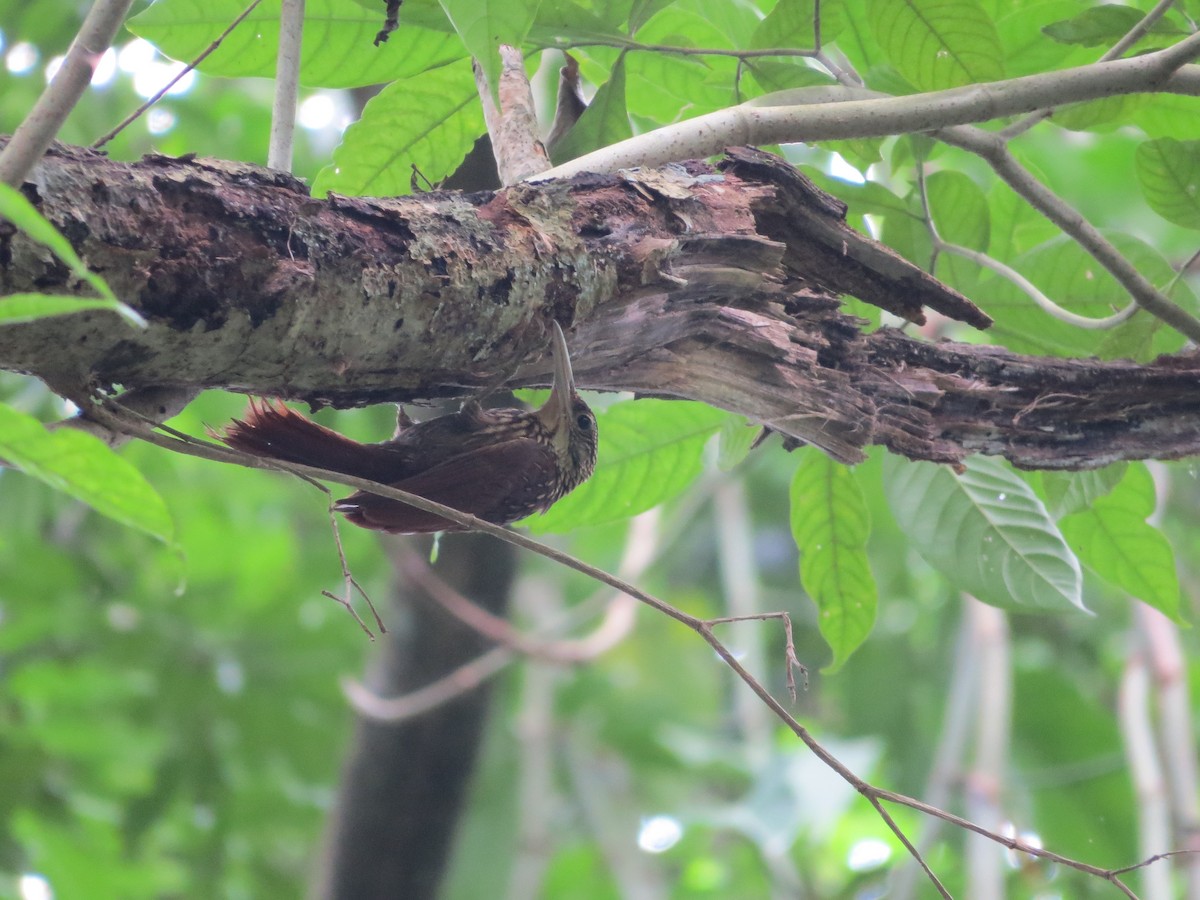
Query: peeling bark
[718,284]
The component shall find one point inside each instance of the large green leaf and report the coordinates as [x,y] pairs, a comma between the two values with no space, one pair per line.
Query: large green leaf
[790,24]
[1075,281]
[483,25]
[84,467]
[831,525]
[429,121]
[1169,173]
[338,48]
[1113,539]
[650,451]
[1104,25]
[938,44]
[987,532]
[1069,492]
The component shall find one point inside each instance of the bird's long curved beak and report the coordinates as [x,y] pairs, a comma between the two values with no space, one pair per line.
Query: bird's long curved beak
[557,408]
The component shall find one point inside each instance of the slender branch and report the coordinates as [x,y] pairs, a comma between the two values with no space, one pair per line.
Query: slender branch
[993,150]
[1117,50]
[162,92]
[287,86]
[758,122]
[38,129]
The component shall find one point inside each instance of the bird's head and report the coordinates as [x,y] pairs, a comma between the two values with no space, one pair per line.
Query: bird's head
[568,419]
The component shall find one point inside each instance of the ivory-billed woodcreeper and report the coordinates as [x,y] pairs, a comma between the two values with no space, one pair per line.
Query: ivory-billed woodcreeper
[498,464]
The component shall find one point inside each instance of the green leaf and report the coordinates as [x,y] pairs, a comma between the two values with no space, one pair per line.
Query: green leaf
[483,25]
[938,44]
[987,532]
[18,308]
[604,122]
[959,209]
[1169,173]
[338,48]
[830,524]
[1102,26]
[1114,540]
[1075,281]
[650,451]
[1069,492]
[790,24]
[17,209]
[738,435]
[84,467]
[429,121]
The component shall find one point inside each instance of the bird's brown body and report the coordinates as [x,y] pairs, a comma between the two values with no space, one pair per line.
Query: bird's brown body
[499,464]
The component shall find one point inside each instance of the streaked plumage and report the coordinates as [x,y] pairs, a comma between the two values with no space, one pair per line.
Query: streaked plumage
[498,464]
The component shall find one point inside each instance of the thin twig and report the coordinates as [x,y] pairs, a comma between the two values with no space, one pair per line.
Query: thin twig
[33,136]
[1023,284]
[349,582]
[137,113]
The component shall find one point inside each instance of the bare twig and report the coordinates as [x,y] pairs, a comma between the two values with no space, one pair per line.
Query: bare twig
[349,582]
[33,136]
[162,92]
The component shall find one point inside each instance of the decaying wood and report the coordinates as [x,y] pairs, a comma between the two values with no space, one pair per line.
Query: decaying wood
[714,283]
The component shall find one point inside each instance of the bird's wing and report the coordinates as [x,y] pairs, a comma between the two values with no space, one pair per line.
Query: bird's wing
[499,482]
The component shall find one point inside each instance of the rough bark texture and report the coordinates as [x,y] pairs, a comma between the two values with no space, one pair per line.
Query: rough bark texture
[715,284]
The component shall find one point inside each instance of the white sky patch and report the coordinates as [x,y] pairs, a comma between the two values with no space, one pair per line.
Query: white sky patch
[159,120]
[659,833]
[867,854]
[106,69]
[34,887]
[839,168]
[135,55]
[317,112]
[22,57]
[151,78]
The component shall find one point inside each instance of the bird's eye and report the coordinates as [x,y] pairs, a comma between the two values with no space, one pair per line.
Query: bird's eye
[584,422]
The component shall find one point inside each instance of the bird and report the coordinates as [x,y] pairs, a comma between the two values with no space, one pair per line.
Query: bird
[500,465]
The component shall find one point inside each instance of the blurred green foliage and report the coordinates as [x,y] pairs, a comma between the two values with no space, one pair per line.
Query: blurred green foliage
[172,722]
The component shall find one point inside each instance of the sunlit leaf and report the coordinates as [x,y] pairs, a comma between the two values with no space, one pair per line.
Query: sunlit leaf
[1113,539]
[17,308]
[938,44]
[17,209]
[738,435]
[987,532]
[1169,173]
[1104,25]
[429,121]
[1069,492]
[338,48]
[483,25]
[830,525]
[84,467]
